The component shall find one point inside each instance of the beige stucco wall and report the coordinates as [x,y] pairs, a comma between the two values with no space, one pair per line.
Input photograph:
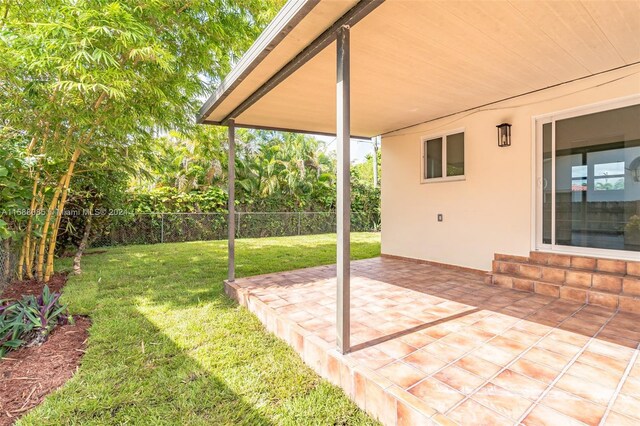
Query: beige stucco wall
[490,211]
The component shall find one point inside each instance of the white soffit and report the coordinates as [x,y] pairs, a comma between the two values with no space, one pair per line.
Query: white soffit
[414,61]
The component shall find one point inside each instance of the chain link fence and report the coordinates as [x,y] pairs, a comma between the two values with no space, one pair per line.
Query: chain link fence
[153,228]
[8,262]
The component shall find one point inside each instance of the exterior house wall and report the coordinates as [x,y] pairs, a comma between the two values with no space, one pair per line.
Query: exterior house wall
[491,211]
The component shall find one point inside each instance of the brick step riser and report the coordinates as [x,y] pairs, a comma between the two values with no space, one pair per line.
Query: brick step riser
[625,302]
[611,266]
[605,282]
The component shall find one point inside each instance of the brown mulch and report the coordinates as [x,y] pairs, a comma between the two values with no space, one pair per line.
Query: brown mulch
[17,289]
[29,374]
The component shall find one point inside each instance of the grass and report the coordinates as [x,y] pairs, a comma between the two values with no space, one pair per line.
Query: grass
[167,347]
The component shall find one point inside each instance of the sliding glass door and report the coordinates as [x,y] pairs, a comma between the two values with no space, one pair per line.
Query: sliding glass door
[589,181]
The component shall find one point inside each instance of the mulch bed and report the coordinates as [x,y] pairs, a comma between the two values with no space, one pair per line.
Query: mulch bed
[29,374]
[18,289]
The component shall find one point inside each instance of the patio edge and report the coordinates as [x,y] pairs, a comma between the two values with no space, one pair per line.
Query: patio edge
[371,392]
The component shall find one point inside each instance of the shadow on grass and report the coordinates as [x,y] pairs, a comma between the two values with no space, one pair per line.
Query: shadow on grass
[133,373]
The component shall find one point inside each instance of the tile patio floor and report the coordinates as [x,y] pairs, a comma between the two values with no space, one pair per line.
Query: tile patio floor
[438,346]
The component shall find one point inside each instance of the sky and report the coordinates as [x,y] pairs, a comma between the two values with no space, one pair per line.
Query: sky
[359,148]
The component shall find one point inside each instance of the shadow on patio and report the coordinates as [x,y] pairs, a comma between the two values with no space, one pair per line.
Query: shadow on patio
[435,345]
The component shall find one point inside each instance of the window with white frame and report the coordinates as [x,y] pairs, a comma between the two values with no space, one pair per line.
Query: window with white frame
[443,157]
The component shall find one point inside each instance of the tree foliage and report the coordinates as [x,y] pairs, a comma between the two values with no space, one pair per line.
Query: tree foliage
[89,83]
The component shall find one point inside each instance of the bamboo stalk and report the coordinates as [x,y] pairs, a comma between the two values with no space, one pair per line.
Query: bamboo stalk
[63,200]
[45,229]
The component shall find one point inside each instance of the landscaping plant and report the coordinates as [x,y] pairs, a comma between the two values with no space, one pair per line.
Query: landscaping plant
[30,320]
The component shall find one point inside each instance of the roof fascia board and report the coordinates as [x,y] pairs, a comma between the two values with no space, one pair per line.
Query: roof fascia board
[281,129]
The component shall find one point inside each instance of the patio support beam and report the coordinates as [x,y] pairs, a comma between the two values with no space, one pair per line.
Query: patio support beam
[232,201]
[343,207]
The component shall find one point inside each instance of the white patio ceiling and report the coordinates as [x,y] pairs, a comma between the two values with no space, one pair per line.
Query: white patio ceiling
[412,61]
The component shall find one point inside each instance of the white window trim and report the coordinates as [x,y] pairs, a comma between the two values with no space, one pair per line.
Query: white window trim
[537,122]
[444,178]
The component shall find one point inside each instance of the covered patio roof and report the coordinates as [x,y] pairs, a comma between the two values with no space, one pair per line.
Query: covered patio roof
[415,61]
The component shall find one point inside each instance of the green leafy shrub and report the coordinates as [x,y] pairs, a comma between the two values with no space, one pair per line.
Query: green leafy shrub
[30,320]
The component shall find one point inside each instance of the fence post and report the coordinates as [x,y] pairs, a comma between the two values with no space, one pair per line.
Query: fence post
[299,222]
[238,226]
[162,227]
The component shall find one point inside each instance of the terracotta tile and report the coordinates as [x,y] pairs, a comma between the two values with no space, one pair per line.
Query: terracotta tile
[442,420]
[417,340]
[511,346]
[610,350]
[627,406]
[407,416]
[633,268]
[478,366]
[333,368]
[546,289]
[395,348]
[521,336]
[613,266]
[424,361]
[444,352]
[314,356]
[572,406]
[493,354]
[402,374]
[478,335]
[535,371]
[583,262]
[314,324]
[519,384]
[609,283]
[586,389]
[522,284]
[460,342]
[579,279]
[380,404]
[359,388]
[532,327]
[559,260]
[630,304]
[372,358]
[459,379]
[575,294]
[631,387]
[436,394]
[503,281]
[601,361]
[544,357]
[553,275]
[530,271]
[603,299]
[615,419]
[545,416]
[631,286]
[410,401]
[594,374]
[472,413]
[502,401]
[565,349]
[569,337]
[539,257]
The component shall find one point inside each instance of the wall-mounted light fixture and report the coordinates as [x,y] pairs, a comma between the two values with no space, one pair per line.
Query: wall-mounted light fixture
[504,134]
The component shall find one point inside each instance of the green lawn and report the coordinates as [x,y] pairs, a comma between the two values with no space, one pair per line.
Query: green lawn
[168,347]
